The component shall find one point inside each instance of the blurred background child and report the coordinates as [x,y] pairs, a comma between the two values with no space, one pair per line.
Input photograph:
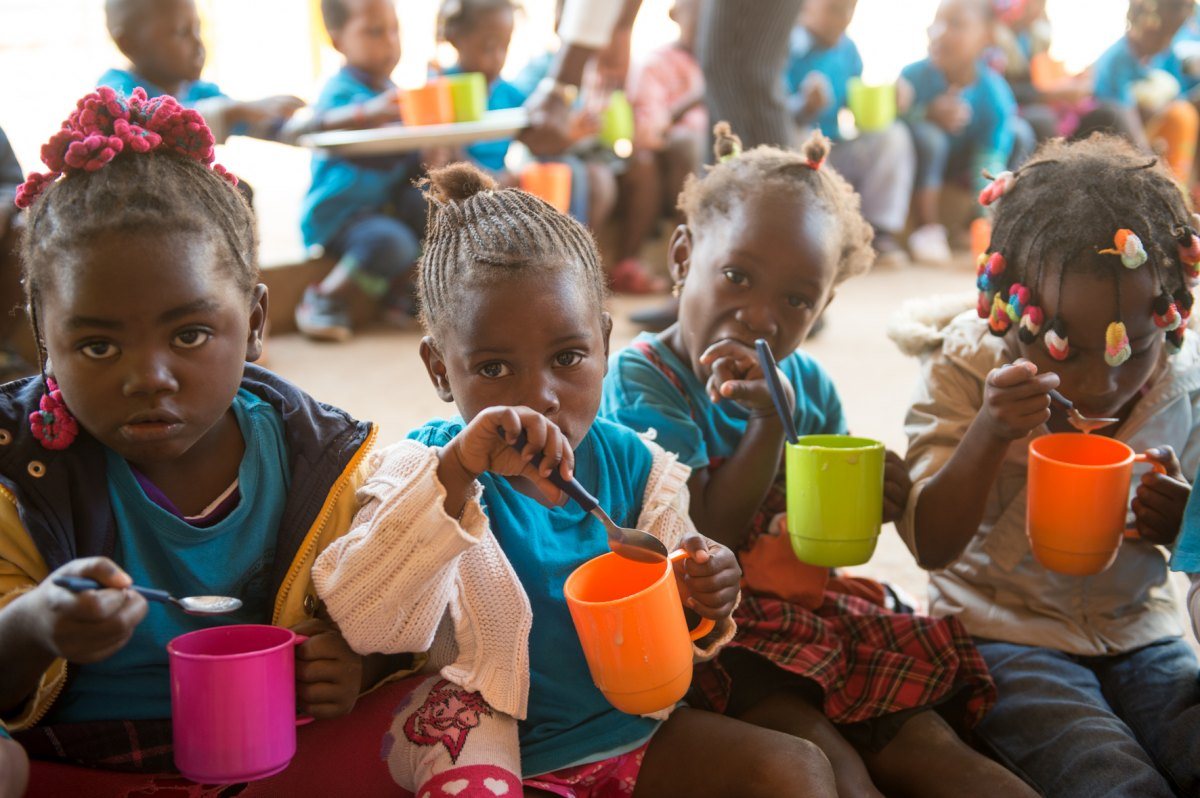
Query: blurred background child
[363,211]
[12,365]
[879,165]
[161,39]
[961,114]
[1143,74]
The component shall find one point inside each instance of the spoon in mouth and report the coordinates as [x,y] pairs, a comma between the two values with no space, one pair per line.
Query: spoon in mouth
[192,605]
[1078,420]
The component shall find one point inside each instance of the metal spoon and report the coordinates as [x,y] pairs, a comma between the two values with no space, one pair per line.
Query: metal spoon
[192,605]
[1078,420]
[771,372]
[632,544]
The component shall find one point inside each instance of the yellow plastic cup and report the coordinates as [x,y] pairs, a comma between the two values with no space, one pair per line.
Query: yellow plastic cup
[468,92]
[874,107]
[834,498]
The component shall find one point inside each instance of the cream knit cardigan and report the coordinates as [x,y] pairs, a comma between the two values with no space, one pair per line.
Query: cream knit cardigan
[408,577]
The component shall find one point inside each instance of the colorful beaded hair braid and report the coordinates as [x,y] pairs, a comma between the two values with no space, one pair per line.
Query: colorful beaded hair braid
[104,126]
[1007,299]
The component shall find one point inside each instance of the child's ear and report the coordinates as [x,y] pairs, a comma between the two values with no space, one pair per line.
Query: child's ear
[258,323]
[436,368]
[679,253]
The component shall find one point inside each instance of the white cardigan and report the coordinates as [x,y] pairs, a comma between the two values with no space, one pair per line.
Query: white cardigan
[407,577]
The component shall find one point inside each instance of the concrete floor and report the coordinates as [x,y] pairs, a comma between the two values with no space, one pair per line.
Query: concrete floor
[379,376]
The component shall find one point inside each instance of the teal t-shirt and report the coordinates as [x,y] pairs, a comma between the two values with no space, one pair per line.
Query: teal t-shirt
[638,394]
[569,721]
[838,63]
[158,549]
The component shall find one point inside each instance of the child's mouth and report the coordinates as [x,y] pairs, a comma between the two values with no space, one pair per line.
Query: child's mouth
[149,427]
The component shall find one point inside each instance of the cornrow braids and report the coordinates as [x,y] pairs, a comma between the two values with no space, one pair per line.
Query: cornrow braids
[456,17]
[478,233]
[1071,204]
[803,175]
[130,164]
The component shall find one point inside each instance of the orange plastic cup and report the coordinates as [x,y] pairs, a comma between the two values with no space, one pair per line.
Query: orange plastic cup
[630,623]
[432,104]
[1078,497]
[550,181]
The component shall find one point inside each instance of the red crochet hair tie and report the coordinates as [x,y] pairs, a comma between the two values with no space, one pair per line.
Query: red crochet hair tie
[105,124]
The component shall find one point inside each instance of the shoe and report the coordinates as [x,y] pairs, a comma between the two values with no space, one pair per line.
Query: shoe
[657,319]
[322,317]
[888,252]
[630,277]
[929,244]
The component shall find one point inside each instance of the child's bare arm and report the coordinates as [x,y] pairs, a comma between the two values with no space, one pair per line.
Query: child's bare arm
[950,507]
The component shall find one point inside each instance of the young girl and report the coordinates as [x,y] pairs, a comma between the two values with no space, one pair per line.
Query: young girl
[455,548]
[1086,289]
[769,235]
[134,457]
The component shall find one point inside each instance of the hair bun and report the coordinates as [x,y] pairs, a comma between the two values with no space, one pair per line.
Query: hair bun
[816,147]
[726,143]
[458,182]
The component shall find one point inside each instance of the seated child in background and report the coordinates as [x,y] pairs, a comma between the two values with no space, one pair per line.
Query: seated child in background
[879,165]
[150,451]
[1098,692]
[12,365]
[1144,75]
[961,115]
[671,127]
[769,235]
[161,39]
[363,211]
[455,550]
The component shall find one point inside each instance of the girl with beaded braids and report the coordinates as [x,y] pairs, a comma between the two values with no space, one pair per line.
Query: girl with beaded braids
[456,549]
[150,451]
[769,235]
[1087,289]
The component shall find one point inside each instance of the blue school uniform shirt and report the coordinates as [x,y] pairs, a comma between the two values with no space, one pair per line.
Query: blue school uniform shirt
[158,549]
[1118,69]
[501,95]
[990,134]
[569,721]
[344,188]
[638,394]
[838,63]
[189,94]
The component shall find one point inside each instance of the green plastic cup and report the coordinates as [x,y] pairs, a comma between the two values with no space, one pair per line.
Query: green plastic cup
[468,91]
[874,107]
[616,121]
[834,498]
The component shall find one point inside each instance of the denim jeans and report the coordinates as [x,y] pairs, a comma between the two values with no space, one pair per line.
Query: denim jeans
[1097,727]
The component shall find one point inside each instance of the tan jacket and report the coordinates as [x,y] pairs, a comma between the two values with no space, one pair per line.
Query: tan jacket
[995,587]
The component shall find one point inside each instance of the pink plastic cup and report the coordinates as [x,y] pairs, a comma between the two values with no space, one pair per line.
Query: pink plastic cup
[233,702]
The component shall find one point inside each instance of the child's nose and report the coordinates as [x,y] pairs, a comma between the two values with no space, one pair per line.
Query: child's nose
[757,319]
[150,375]
[542,396]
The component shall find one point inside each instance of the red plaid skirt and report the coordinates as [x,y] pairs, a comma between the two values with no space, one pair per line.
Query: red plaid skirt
[868,662]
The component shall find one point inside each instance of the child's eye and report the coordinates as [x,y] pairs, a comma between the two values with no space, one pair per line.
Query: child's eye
[568,359]
[494,370]
[98,350]
[191,339]
[735,277]
[799,302]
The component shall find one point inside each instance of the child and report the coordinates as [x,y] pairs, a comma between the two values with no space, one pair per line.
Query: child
[670,132]
[1143,74]
[769,235]
[454,547]
[149,451]
[161,39]
[960,113]
[480,32]
[12,365]
[1098,693]
[364,212]
[879,165]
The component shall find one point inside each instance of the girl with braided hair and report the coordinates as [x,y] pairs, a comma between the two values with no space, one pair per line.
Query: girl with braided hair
[768,237]
[455,549]
[150,450]
[1087,289]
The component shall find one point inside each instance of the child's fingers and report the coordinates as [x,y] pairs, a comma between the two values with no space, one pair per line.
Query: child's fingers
[895,499]
[1012,375]
[698,562]
[712,605]
[1162,497]
[1150,518]
[319,670]
[102,569]
[1166,457]
[742,390]
[728,348]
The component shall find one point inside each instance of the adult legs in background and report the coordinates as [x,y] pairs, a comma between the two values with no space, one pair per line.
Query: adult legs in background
[1053,725]
[929,242]
[373,252]
[881,167]
[742,48]
[1156,691]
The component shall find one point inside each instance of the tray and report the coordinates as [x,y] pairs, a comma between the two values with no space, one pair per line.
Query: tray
[393,139]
